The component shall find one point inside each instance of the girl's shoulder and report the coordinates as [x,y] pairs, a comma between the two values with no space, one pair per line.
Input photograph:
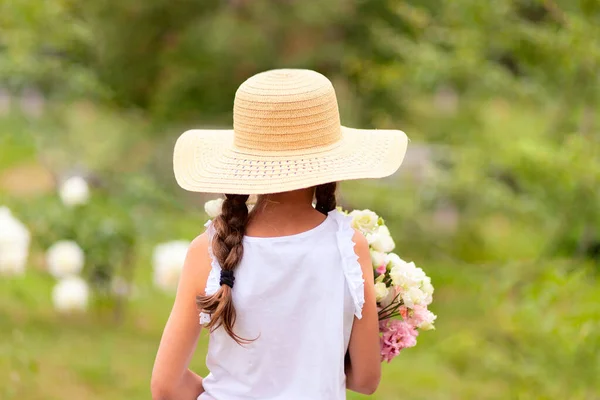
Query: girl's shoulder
[198,260]
[199,247]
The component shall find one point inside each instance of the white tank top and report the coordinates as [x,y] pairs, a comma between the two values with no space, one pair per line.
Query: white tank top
[297,295]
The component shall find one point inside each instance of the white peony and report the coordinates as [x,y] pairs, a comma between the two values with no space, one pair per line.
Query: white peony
[418,273]
[74,191]
[384,230]
[381,291]
[427,323]
[405,274]
[14,244]
[213,207]
[378,258]
[403,279]
[380,241]
[394,259]
[364,220]
[168,262]
[427,288]
[413,296]
[70,294]
[65,258]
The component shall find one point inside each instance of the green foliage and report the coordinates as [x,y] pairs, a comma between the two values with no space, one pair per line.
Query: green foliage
[185,61]
[500,208]
[517,191]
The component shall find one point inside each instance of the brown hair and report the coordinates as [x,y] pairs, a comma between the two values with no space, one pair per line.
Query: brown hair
[325,196]
[230,227]
[228,249]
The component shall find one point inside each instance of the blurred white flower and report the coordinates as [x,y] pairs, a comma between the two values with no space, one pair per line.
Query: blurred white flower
[381,291]
[413,296]
[381,240]
[364,220]
[74,191]
[168,262]
[378,258]
[70,294]
[213,207]
[14,244]
[65,258]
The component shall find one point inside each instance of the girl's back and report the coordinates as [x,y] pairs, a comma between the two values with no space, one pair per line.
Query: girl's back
[296,296]
[280,289]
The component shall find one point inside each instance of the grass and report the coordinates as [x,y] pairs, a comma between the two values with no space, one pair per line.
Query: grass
[502,334]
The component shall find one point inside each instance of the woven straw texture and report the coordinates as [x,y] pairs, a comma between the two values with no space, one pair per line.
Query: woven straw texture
[286,135]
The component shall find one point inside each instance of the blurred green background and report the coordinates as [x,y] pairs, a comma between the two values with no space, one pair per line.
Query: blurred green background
[498,200]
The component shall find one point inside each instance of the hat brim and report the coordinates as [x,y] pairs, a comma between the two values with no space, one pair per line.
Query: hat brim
[207,161]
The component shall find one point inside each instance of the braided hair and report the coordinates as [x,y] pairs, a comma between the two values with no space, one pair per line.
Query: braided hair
[230,227]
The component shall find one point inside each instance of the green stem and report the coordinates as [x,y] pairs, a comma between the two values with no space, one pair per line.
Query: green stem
[388,316]
[392,305]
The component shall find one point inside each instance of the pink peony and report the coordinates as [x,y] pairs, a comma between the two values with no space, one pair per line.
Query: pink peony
[395,336]
[380,270]
[419,317]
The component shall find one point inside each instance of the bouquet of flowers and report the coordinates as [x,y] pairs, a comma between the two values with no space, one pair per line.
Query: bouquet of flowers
[401,289]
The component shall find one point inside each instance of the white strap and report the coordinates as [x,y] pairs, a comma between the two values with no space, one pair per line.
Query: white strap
[350,264]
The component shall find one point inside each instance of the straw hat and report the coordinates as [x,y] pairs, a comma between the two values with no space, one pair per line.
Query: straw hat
[286,135]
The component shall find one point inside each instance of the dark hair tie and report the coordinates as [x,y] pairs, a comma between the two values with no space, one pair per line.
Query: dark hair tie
[227,278]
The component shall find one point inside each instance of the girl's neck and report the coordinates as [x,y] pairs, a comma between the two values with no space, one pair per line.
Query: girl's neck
[282,214]
[295,200]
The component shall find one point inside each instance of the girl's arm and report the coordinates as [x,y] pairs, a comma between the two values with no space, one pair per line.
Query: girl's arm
[363,366]
[171,378]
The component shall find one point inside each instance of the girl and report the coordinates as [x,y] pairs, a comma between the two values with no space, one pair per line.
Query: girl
[282,288]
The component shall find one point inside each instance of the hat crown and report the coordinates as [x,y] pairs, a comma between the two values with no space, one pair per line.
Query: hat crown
[286,109]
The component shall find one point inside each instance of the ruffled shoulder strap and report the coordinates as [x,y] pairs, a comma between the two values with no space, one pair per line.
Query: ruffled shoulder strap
[352,268]
[212,283]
